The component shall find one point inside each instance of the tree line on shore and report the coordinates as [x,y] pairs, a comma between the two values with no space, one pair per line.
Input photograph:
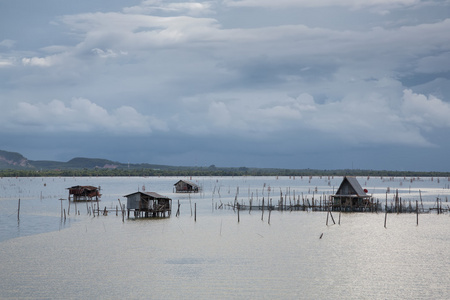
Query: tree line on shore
[213,171]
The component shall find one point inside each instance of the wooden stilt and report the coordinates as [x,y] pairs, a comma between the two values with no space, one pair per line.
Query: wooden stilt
[262,210]
[417,212]
[238,209]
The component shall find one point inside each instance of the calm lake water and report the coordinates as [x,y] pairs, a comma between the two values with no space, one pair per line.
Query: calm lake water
[217,257]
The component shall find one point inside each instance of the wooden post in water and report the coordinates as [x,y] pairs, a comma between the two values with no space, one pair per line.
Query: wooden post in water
[331,215]
[61,199]
[238,209]
[437,205]
[385,217]
[195,212]
[178,210]
[268,220]
[18,211]
[262,210]
[420,195]
[417,212]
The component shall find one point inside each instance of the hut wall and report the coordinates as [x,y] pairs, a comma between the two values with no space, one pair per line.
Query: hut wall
[133,201]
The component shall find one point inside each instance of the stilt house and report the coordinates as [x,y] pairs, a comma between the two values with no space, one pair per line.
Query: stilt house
[350,196]
[148,204]
[184,186]
[84,193]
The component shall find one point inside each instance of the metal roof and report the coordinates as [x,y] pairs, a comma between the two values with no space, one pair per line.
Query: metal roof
[186,181]
[86,187]
[354,184]
[150,194]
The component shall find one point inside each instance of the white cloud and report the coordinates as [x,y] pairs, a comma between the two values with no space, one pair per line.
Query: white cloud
[189,8]
[81,115]
[426,112]
[38,61]
[366,117]
[107,53]
[7,43]
[321,3]
[6,62]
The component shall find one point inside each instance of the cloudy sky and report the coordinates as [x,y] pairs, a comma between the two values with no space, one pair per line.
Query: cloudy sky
[323,84]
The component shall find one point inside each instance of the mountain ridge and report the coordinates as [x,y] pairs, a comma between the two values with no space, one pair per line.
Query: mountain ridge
[13,164]
[16,161]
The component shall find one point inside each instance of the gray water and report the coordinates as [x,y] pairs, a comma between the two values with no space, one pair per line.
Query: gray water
[217,257]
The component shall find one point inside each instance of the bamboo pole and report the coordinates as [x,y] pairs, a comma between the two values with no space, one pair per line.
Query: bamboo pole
[61,200]
[262,210]
[331,215]
[417,212]
[18,211]
[178,210]
[238,209]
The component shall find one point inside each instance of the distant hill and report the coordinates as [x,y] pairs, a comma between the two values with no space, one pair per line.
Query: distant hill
[13,160]
[13,164]
[16,161]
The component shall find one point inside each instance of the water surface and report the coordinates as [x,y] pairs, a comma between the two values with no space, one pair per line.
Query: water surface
[101,257]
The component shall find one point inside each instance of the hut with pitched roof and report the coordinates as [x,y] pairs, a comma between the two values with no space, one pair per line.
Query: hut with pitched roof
[185,186]
[350,196]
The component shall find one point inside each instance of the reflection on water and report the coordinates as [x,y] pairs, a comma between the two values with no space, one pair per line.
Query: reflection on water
[217,256]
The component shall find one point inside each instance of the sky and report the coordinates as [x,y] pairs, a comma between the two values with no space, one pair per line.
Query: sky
[297,84]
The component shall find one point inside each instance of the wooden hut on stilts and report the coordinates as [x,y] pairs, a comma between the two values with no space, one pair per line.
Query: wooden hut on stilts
[148,204]
[84,193]
[350,196]
[185,186]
